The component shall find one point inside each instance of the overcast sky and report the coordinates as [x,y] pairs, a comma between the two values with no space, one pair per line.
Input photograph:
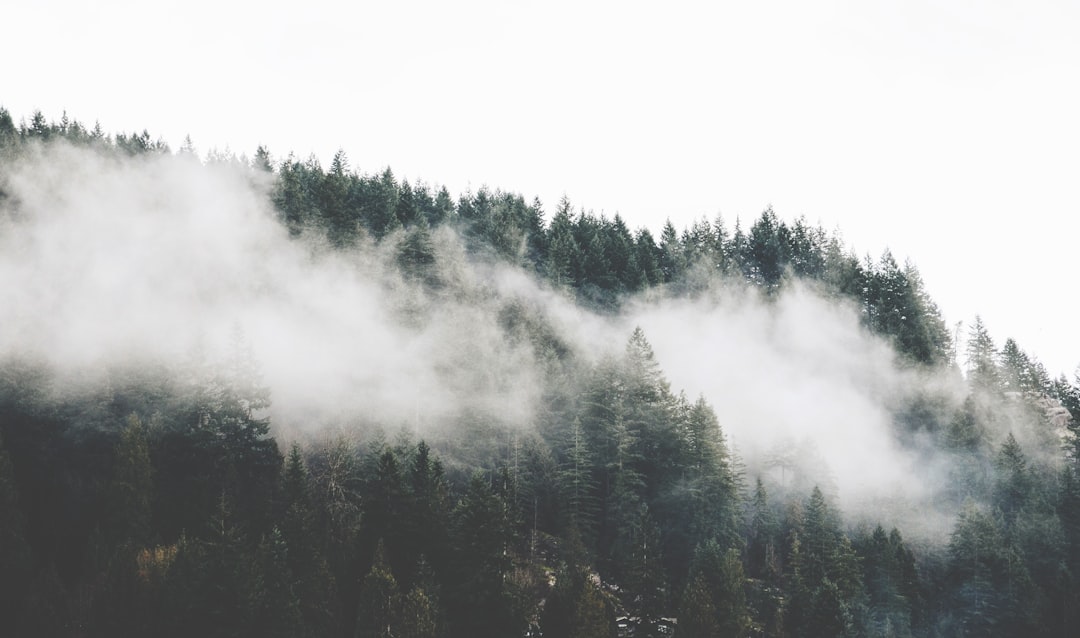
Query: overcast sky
[948,131]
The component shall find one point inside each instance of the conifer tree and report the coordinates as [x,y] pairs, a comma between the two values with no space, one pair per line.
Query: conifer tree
[384,504]
[575,608]
[378,613]
[416,255]
[576,483]
[474,589]
[672,261]
[697,613]
[313,583]
[1013,484]
[15,557]
[563,253]
[762,535]
[274,602]
[982,358]
[426,516]
[131,490]
[419,616]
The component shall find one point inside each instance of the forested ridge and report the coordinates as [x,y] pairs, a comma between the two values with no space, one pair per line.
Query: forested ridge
[154,495]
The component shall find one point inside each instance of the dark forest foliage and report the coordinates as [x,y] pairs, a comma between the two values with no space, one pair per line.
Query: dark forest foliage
[161,503]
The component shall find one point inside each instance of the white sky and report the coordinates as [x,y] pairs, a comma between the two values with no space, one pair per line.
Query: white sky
[949,131]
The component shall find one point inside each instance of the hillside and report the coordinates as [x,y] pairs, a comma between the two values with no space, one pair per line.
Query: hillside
[253,396]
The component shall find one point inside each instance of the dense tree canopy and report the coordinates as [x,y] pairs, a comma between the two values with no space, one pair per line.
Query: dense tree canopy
[162,504]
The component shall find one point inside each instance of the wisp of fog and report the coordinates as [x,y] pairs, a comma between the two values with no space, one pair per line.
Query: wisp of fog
[106,260]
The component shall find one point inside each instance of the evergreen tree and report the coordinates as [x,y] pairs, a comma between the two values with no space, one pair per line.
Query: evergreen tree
[262,162]
[419,616]
[274,602]
[481,536]
[697,613]
[380,202]
[767,251]
[15,556]
[383,506]
[313,583]
[672,261]
[131,491]
[9,136]
[723,581]
[576,608]
[648,258]
[425,518]
[209,586]
[333,196]
[1013,485]
[982,359]
[645,577]
[891,583]
[762,536]
[378,613]
[992,589]
[407,209]
[712,477]
[563,253]
[576,482]
[416,255]
[336,495]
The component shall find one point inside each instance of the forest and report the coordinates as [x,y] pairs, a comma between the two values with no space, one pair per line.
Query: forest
[252,396]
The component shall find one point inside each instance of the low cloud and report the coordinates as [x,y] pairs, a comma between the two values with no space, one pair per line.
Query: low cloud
[106,260]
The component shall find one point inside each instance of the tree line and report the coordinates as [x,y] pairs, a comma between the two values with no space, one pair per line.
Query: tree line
[159,501]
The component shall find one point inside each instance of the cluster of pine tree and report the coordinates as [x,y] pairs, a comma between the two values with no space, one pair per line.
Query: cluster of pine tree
[158,502]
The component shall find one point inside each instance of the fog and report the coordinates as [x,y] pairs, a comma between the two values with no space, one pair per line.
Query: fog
[807,397]
[106,261]
[109,261]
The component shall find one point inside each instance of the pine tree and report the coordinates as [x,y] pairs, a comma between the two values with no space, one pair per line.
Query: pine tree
[475,592]
[416,255]
[672,261]
[576,483]
[767,251]
[827,616]
[209,584]
[564,254]
[992,588]
[314,585]
[1013,485]
[697,613]
[645,576]
[982,359]
[407,209]
[891,584]
[262,161]
[425,518]
[762,536]
[380,201]
[9,136]
[828,577]
[131,490]
[648,257]
[15,556]
[576,608]
[333,201]
[711,477]
[378,612]
[419,616]
[274,602]
[724,582]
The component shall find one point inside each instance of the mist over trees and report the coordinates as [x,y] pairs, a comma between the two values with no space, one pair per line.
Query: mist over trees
[494,448]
